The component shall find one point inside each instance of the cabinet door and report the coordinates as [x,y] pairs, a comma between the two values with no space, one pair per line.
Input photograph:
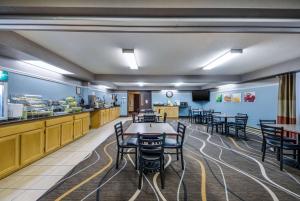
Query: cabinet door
[32,146]
[77,128]
[52,137]
[66,132]
[9,154]
[85,125]
[102,118]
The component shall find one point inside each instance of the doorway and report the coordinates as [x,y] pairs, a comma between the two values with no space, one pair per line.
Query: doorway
[136,102]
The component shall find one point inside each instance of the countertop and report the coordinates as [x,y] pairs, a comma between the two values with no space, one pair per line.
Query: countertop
[13,121]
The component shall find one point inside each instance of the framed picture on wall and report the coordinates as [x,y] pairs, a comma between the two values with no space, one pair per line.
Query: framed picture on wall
[226,97]
[219,98]
[236,97]
[78,90]
[249,97]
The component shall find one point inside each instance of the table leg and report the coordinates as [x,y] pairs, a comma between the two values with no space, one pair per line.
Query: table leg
[226,127]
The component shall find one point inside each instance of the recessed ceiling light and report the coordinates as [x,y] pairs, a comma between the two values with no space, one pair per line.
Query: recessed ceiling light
[178,84]
[130,58]
[223,58]
[44,65]
[141,84]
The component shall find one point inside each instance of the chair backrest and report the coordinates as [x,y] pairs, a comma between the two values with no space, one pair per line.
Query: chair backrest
[119,131]
[181,128]
[241,120]
[165,117]
[242,114]
[267,121]
[149,118]
[149,111]
[272,132]
[151,144]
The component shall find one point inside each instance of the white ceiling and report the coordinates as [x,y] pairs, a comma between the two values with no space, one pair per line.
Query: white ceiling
[168,53]
[158,84]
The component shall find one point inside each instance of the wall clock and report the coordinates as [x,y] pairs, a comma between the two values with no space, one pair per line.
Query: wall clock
[169,94]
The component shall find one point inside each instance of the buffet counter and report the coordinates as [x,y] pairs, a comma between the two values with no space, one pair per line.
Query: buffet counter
[172,111]
[100,117]
[25,141]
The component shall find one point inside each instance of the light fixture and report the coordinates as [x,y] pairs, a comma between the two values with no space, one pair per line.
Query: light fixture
[103,86]
[178,84]
[227,86]
[141,84]
[222,59]
[44,65]
[130,58]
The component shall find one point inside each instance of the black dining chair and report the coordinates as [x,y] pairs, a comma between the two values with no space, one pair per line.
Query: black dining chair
[285,138]
[239,125]
[214,122]
[151,155]
[149,118]
[124,143]
[177,143]
[274,136]
[164,120]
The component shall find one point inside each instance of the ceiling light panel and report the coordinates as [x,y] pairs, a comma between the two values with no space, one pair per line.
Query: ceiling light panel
[47,66]
[130,59]
[222,59]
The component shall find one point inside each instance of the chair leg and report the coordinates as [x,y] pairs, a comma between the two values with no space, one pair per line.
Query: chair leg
[122,151]
[278,153]
[162,177]
[136,165]
[140,176]
[262,145]
[182,162]
[245,135]
[117,162]
[264,152]
[281,159]
[177,154]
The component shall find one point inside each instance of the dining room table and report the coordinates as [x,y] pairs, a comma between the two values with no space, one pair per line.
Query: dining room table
[225,117]
[293,128]
[150,128]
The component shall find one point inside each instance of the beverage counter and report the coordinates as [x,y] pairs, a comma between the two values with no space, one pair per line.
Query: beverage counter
[24,141]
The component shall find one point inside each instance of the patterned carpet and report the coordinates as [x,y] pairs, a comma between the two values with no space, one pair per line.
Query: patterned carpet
[217,168]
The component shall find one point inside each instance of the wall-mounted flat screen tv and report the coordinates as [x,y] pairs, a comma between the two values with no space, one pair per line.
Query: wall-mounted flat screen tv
[203,95]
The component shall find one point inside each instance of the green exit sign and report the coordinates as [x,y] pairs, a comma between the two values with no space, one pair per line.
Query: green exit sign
[3,76]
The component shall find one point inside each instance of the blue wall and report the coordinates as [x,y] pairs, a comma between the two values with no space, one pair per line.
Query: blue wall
[182,96]
[122,101]
[21,84]
[265,106]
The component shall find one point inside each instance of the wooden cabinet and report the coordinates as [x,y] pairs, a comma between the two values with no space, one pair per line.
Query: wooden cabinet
[77,128]
[67,132]
[96,119]
[172,111]
[9,154]
[32,146]
[52,137]
[85,125]
[25,142]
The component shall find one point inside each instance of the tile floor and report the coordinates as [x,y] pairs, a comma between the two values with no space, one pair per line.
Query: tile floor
[29,183]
